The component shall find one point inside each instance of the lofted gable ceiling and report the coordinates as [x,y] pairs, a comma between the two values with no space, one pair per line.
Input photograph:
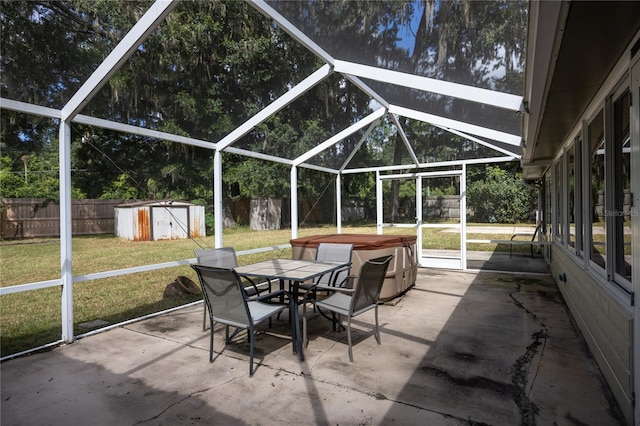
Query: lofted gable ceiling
[402,79]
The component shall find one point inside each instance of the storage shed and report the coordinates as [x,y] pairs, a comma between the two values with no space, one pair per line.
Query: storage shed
[159,220]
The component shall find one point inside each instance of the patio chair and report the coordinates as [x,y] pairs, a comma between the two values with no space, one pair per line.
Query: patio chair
[228,304]
[225,257]
[329,252]
[532,242]
[351,302]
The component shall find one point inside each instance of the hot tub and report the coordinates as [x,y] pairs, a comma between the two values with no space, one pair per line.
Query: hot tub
[403,268]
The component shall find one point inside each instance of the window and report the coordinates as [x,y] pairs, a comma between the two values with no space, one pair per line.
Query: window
[558,223]
[571,191]
[578,197]
[547,212]
[596,141]
[620,211]
[547,217]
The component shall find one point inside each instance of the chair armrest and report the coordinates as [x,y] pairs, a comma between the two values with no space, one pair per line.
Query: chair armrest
[256,290]
[328,287]
[347,282]
[268,296]
[523,235]
[333,276]
[527,234]
[342,289]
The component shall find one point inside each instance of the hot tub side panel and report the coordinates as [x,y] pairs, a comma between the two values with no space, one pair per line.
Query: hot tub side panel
[402,271]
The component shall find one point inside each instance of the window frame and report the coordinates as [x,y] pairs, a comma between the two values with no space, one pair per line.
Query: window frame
[575,148]
[588,162]
[613,200]
[558,201]
[548,209]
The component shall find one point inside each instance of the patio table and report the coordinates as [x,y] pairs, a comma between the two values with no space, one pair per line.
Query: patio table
[295,271]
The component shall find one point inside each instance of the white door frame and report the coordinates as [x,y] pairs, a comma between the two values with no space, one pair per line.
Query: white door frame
[437,262]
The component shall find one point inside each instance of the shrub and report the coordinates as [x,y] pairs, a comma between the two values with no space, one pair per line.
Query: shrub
[501,197]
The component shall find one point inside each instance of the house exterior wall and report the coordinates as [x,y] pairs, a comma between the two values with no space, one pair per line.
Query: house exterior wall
[605,323]
[592,218]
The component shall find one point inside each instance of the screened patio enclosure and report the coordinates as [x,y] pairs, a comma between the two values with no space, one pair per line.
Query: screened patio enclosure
[422,87]
[389,65]
[378,93]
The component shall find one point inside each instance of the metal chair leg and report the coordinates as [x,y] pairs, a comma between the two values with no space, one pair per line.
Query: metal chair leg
[377,326]
[211,345]
[251,341]
[349,338]
[204,319]
[305,339]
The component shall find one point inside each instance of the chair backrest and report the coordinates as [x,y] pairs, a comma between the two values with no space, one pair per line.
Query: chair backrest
[334,252]
[223,295]
[224,257]
[369,284]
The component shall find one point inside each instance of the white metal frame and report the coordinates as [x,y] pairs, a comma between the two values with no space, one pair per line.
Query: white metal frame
[70,113]
[455,90]
[434,261]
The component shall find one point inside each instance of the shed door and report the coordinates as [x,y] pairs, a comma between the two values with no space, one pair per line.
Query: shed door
[169,223]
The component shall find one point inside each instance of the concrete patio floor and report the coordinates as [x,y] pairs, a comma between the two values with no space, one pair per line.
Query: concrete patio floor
[459,348]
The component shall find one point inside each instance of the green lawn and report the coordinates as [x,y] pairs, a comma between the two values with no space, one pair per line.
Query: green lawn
[32,318]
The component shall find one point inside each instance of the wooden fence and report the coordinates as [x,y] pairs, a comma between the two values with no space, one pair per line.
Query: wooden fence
[36,217]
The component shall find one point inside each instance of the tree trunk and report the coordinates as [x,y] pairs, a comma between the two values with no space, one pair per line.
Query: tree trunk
[395,184]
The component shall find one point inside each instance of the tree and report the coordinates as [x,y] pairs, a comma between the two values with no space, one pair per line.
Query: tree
[211,65]
[501,197]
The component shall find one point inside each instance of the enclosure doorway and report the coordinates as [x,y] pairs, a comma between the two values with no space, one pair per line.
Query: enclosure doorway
[433,206]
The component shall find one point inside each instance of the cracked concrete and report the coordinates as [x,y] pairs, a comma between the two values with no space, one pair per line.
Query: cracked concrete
[459,348]
[522,367]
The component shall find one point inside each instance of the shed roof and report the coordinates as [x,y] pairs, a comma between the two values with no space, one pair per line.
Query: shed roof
[154,203]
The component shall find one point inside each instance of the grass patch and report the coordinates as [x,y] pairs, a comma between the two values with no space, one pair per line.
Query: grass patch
[31,319]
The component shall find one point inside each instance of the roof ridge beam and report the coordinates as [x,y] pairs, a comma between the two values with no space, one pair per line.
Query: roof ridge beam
[118,56]
[455,90]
